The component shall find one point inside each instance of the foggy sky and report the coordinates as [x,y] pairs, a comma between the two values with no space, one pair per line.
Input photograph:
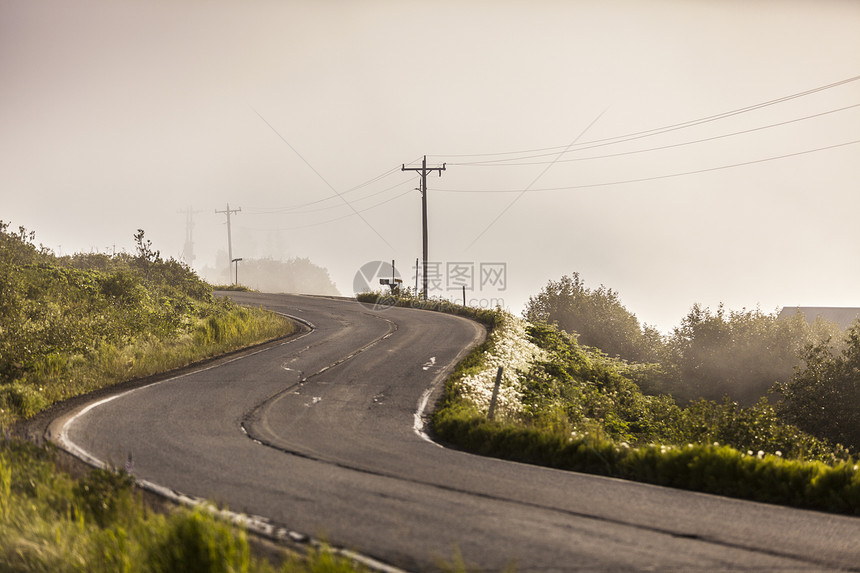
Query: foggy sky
[119,115]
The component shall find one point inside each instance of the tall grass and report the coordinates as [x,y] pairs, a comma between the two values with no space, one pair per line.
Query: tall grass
[100,523]
[71,325]
[580,412]
[58,377]
[710,468]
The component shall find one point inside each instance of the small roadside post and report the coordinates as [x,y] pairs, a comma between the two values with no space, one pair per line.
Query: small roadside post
[491,412]
[236,282]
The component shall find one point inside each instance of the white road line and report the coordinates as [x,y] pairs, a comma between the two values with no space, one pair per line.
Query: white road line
[255,523]
[418,420]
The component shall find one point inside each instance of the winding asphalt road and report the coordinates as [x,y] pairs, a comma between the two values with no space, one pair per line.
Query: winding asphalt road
[323,434]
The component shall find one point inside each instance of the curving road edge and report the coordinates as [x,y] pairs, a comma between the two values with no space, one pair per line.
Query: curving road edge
[325,431]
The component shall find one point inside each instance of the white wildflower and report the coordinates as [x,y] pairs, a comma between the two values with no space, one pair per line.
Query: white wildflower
[778,453]
[513,352]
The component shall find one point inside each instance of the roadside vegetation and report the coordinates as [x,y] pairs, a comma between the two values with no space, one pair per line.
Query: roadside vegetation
[100,523]
[607,397]
[407,299]
[68,326]
[782,429]
[741,360]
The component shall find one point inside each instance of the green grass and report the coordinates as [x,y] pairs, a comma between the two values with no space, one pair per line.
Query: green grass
[72,325]
[233,288]
[99,523]
[581,411]
[59,376]
[487,317]
[710,468]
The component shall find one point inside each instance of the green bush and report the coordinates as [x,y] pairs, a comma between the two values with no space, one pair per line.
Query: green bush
[194,542]
[69,325]
[51,522]
[104,495]
[21,399]
[709,468]
[823,394]
[582,411]
[487,317]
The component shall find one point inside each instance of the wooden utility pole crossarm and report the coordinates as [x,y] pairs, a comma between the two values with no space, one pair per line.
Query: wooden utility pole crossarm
[423,171]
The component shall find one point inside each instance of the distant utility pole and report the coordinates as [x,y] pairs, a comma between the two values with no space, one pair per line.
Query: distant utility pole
[424,170]
[188,249]
[228,211]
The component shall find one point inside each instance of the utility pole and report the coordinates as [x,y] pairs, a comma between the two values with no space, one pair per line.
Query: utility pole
[188,250]
[229,237]
[424,170]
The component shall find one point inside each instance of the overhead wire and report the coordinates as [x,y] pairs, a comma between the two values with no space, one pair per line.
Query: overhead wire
[654,178]
[667,128]
[326,222]
[570,148]
[504,162]
[357,200]
[541,174]
[274,210]
[356,212]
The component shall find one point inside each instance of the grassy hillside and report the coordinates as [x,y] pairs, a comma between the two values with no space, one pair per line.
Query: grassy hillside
[70,325]
[100,523]
[572,407]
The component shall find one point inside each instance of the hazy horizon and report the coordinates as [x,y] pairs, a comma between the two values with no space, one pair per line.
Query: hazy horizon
[677,153]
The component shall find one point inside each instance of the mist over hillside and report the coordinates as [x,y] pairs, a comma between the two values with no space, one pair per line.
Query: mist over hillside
[295,275]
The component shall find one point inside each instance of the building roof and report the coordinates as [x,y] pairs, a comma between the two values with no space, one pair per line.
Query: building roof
[844,316]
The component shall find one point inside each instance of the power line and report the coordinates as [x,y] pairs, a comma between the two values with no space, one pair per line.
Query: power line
[668,128]
[348,215]
[354,201]
[657,177]
[323,179]
[503,162]
[517,198]
[274,210]
[303,210]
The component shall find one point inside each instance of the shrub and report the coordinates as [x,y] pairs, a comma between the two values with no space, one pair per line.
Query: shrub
[195,542]
[581,411]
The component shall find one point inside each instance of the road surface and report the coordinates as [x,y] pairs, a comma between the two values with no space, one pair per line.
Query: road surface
[321,434]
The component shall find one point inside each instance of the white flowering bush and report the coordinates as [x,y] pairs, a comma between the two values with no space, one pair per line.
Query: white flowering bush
[508,347]
[571,407]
